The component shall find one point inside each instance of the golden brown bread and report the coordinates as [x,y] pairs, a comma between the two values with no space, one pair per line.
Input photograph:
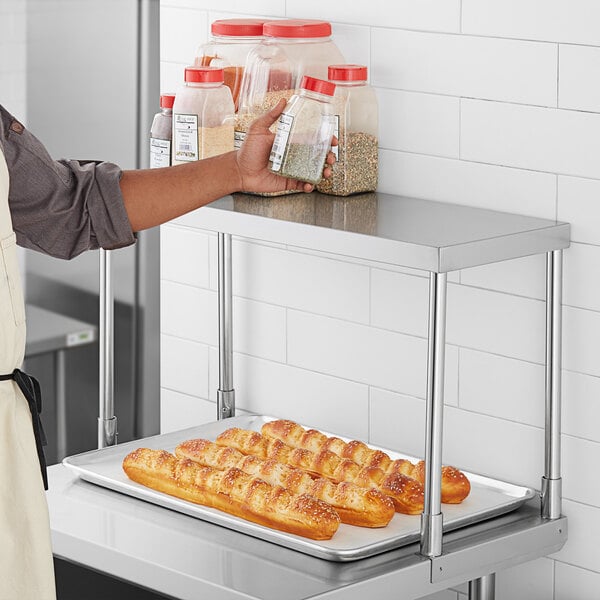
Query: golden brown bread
[406,493]
[356,505]
[455,484]
[233,492]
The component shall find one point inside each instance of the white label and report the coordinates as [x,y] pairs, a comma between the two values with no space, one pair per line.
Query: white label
[238,139]
[336,132]
[79,338]
[283,133]
[185,132]
[160,153]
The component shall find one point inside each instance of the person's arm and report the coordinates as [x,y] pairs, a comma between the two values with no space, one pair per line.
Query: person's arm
[155,196]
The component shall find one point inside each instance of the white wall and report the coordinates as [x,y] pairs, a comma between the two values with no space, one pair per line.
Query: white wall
[490,103]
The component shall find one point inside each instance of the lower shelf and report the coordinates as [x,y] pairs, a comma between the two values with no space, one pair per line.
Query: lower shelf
[185,558]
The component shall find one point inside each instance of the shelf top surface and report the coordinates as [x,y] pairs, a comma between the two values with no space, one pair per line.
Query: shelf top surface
[409,232]
[117,534]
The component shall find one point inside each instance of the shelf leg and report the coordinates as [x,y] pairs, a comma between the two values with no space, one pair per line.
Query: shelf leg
[483,588]
[225,393]
[552,481]
[60,388]
[107,422]
[431,519]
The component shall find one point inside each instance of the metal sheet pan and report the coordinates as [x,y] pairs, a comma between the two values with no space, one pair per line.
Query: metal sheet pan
[488,498]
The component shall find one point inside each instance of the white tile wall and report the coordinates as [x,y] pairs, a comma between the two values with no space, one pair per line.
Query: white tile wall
[488,103]
[573,583]
[547,20]
[471,66]
[542,139]
[576,89]
[421,123]
[579,204]
[462,182]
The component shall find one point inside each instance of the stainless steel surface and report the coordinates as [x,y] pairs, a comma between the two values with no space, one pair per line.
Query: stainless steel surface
[551,482]
[107,425]
[488,498]
[498,545]
[188,558]
[226,393]
[409,232]
[432,519]
[48,331]
[61,404]
[483,588]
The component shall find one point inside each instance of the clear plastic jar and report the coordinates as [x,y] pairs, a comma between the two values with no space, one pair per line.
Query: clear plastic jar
[231,41]
[161,133]
[304,132]
[291,49]
[203,116]
[357,122]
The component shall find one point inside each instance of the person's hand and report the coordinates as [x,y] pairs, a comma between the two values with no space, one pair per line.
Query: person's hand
[253,158]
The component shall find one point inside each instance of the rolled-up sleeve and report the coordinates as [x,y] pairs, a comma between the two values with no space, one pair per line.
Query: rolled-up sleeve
[64,207]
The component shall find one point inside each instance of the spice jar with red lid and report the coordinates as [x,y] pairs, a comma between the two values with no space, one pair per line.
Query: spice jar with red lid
[304,132]
[356,127]
[161,132]
[203,116]
[230,42]
[291,49]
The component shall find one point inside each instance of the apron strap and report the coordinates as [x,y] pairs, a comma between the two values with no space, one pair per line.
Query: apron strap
[30,388]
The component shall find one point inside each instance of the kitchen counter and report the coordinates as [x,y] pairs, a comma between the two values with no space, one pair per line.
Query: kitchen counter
[187,559]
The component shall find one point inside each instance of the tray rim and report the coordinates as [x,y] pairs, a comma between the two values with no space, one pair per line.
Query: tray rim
[301,544]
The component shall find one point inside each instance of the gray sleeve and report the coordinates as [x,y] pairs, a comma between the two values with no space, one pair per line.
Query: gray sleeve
[63,207]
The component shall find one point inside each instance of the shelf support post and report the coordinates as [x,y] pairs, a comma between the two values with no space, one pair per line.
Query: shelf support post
[225,393]
[107,421]
[431,519]
[552,481]
[483,588]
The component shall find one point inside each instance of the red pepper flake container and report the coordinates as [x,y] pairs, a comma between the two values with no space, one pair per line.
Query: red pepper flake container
[231,41]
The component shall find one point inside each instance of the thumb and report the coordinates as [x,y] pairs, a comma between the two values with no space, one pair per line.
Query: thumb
[265,121]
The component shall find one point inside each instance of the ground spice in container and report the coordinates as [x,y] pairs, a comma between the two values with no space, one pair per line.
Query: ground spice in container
[355,107]
[213,141]
[304,132]
[356,169]
[302,162]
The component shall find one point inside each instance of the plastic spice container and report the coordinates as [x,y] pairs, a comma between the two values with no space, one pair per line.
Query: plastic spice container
[304,132]
[231,41]
[356,115]
[203,116]
[291,49]
[160,133]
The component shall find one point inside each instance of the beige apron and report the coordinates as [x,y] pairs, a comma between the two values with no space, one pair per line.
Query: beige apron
[26,571]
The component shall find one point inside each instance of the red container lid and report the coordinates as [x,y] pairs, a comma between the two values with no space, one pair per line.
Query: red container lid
[238,27]
[166,100]
[297,28]
[204,75]
[347,72]
[317,85]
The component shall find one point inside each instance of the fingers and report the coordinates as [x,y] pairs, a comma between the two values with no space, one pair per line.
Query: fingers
[265,121]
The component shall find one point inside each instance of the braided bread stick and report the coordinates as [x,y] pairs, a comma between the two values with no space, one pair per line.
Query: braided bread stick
[233,492]
[355,505]
[406,493]
[455,484]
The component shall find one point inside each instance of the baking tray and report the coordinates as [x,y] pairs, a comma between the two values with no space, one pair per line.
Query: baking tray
[488,498]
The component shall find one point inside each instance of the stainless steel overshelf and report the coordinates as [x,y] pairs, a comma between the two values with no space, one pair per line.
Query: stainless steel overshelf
[186,558]
[408,232]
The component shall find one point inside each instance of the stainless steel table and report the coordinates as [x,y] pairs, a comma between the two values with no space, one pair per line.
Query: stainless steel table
[438,238]
[50,332]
